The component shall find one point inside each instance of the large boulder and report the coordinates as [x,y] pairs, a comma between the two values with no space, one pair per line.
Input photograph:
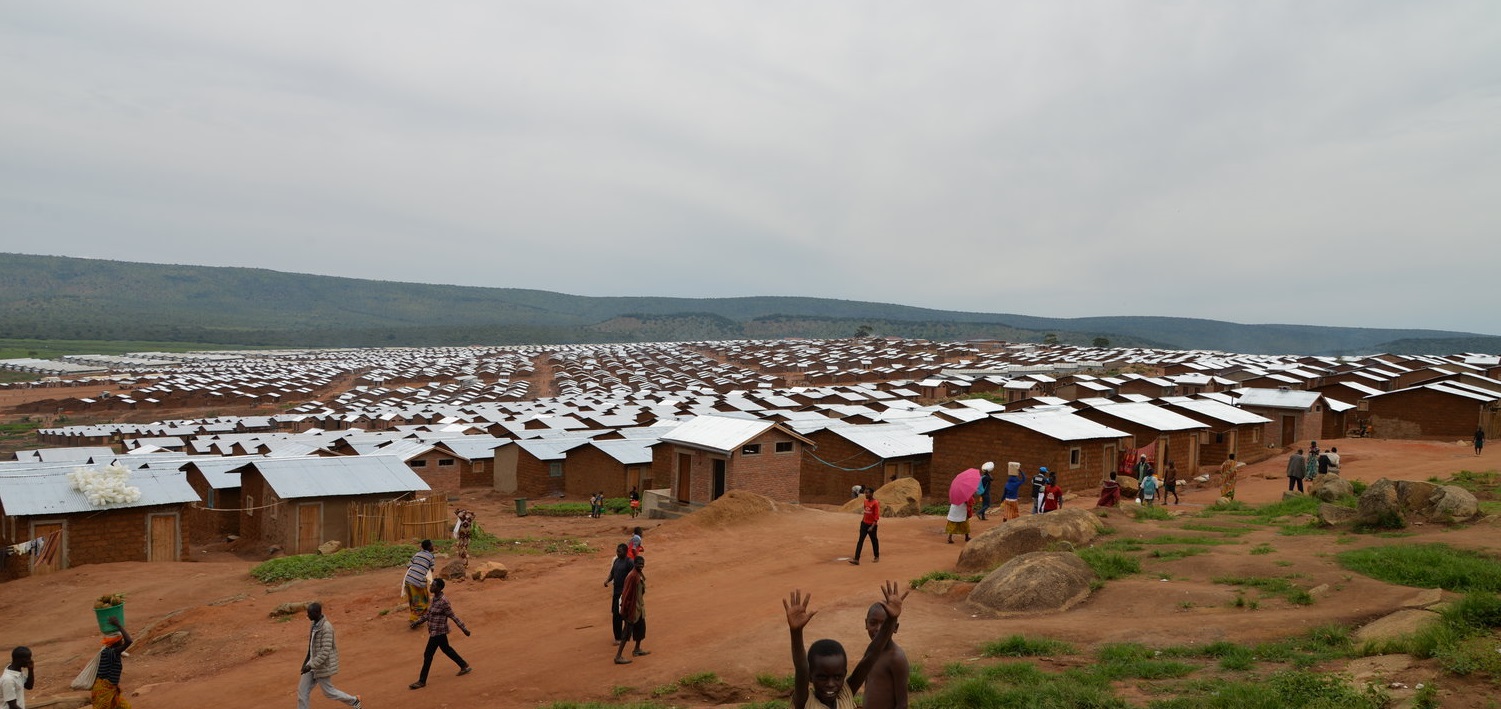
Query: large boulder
[1335,515]
[1038,582]
[330,546]
[1029,533]
[489,570]
[1451,504]
[1330,487]
[1397,624]
[1129,485]
[899,498]
[1416,496]
[1380,506]
[455,569]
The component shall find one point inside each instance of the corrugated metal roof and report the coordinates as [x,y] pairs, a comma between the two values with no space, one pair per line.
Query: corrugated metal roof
[719,433]
[1151,416]
[294,478]
[551,448]
[1276,398]
[894,440]
[631,451]
[46,491]
[1221,411]
[1061,425]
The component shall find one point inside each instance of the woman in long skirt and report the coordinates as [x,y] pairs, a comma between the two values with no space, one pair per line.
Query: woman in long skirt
[958,520]
[1110,492]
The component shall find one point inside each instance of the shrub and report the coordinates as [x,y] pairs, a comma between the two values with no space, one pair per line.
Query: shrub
[923,580]
[1109,565]
[1158,513]
[322,566]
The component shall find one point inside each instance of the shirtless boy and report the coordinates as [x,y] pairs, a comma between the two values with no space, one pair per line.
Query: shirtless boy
[821,676]
[886,687]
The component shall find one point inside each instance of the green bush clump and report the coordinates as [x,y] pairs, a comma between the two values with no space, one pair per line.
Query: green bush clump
[1109,565]
[923,580]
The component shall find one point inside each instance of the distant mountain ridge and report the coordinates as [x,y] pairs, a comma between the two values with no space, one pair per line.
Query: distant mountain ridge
[53,297]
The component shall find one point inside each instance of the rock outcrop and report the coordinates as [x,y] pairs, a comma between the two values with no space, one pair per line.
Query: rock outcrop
[1029,533]
[899,498]
[1038,582]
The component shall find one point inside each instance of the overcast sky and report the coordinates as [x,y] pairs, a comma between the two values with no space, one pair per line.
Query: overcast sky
[1323,163]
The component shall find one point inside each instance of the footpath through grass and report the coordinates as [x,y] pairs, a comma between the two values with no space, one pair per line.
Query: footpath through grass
[382,556]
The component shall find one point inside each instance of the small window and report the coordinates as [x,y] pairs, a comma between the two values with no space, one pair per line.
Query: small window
[555,470]
[1219,438]
[1075,457]
[417,463]
[1255,435]
[751,449]
[784,446]
[249,505]
[445,462]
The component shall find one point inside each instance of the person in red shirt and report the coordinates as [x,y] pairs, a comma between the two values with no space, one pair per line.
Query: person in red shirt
[868,522]
[1052,495]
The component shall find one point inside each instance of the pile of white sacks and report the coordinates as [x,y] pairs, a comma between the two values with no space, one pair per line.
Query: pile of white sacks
[105,486]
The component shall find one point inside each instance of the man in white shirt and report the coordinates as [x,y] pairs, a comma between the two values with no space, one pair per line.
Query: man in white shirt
[20,675]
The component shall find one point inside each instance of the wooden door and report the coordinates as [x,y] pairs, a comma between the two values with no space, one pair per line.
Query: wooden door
[309,527]
[1112,460]
[685,475]
[1289,431]
[163,540]
[42,529]
[633,478]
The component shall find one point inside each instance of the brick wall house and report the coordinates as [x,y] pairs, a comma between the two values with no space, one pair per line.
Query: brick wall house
[840,457]
[1297,416]
[1441,411]
[1080,451]
[34,504]
[708,456]
[1173,437]
[297,504]
[1230,430]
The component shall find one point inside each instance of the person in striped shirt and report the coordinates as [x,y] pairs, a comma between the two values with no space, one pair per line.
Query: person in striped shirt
[414,586]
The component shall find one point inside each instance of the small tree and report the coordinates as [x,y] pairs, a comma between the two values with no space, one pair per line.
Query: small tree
[862,331]
[1050,339]
[1101,342]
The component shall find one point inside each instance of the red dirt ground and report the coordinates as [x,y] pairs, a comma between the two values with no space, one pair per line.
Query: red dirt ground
[714,605]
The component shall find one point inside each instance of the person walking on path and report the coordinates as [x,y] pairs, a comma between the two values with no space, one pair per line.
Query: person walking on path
[986,480]
[1311,466]
[958,519]
[105,692]
[1148,489]
[1110,492]
[868,521]
[633,609]
[619,569]
[1011,495]
[437,618]
[1052,495]
[1479,439]
[414,584]
[1039,485]
[19,676]
[463,531]
[1333,456]
[1297,469]
[1229,475]
[635,502]
[1170,483]
[322,662]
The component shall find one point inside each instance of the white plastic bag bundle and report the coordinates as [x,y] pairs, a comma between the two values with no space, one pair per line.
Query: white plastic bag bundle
[105,487]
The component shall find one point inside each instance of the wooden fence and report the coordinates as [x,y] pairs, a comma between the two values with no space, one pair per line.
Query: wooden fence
[399,520]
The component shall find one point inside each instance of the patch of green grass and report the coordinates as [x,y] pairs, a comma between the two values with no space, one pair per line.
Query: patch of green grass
[1300,530]
[1174,539]
[601,705]
[1291,689]
[923,580]
[1175,554]
[1227,531]
[779,683]
[939,510]
[1358,486]
[1158,513]
[1426,566]
[1120,545]
[1233,507]
[954,670]
[699,679]
[1118,661]
[1270,586]
[1301,505]
[1022,646]
[344,561]
[663,690]
[621,690]
[1109,565]
[917,680]
[1262,548]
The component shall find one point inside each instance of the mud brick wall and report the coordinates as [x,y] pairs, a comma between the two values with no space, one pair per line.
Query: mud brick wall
[443,479]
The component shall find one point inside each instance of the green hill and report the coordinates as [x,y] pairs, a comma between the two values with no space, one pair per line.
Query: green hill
[48,297]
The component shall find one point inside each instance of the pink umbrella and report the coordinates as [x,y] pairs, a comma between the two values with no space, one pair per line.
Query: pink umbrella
[964,486]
